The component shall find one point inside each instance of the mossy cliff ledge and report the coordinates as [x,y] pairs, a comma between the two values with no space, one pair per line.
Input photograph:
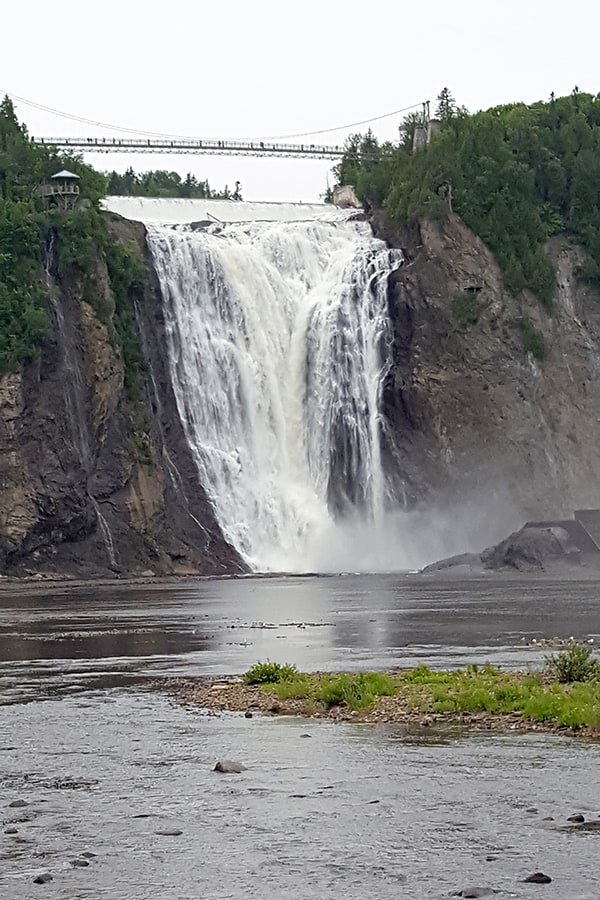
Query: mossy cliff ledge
[96,478]
[492,399]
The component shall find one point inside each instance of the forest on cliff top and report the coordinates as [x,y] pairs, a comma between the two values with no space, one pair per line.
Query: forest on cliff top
[515,174]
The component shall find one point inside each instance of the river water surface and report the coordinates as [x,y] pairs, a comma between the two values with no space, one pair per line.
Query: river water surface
[104,761]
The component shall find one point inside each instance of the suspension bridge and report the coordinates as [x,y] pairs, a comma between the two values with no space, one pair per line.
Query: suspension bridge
[200,147]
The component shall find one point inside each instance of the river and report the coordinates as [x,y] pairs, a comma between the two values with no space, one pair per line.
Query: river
[104,760]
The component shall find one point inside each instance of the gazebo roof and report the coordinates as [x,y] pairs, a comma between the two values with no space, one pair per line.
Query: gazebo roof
[65,174]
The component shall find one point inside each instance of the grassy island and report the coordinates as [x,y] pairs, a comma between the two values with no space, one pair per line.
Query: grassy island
[565,695]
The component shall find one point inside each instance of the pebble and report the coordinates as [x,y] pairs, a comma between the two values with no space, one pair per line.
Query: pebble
[229,767]
[537,878]
[44,878]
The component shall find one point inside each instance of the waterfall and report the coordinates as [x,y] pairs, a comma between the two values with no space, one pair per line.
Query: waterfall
[278,337]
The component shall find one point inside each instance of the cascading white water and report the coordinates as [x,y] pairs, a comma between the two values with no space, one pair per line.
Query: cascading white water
[278,337]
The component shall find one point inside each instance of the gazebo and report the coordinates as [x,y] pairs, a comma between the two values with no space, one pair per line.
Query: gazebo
[62,190]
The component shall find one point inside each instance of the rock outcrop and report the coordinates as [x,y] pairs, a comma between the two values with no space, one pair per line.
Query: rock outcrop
[472,420]
[93,483]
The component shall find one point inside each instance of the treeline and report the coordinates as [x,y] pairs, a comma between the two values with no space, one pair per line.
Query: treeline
[516,174]
[28,228]
[160,183]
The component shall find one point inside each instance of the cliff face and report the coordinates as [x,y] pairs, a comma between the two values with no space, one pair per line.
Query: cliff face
[470,416]
[92,483]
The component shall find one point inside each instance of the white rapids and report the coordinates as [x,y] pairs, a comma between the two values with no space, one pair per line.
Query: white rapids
[278,339]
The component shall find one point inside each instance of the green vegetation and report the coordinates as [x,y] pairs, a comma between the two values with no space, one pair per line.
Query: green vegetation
[533,342]
[516,174]
[465,309]
[69,245]
[160,183]
[567,694]
[575,663]
[270,673]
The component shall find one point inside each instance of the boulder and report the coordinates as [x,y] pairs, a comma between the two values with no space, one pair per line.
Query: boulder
[229,767]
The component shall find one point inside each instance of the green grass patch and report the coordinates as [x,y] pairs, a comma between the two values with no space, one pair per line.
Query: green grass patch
[540,697]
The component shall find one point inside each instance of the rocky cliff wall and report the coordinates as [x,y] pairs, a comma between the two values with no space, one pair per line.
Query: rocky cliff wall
[471,417]
[93,483]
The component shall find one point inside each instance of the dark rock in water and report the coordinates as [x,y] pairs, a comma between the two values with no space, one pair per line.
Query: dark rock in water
[169,832]
[87,854]
[532,810]
[585,826]
[537,878]
[247,714]
[548,819]
[79,863]
[577,817]
[11,831]
[44,878]
[18,804]
[229,767]
[491,858]
[474,892]
[533,548]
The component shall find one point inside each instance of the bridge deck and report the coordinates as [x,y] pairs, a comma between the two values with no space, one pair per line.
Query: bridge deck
[208,147]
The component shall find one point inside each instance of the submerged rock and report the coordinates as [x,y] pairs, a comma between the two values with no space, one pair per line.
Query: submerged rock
[537,878]
[473,892]
[229,767]
[44,878]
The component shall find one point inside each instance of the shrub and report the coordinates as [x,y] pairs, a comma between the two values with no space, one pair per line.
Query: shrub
[533,341]
[465,309]
[270,673]
[575,663]
[356,691]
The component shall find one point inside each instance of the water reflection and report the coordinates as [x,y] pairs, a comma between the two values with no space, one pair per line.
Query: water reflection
[222,627]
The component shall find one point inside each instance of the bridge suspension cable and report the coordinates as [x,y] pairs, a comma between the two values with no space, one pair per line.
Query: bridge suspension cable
[156,134]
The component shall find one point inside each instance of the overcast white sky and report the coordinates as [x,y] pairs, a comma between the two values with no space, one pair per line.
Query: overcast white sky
[254,68]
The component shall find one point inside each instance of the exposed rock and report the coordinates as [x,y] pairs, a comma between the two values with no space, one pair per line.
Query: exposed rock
[576,817]
[247,714]
[229,767]
[79,863]
[533,548]
[44,878]
[95,483]
[169,832]
[537,878]
[11,830]
[471,420]
[18,804]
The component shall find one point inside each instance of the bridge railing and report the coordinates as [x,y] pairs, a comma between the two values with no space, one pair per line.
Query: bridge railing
[114,144]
